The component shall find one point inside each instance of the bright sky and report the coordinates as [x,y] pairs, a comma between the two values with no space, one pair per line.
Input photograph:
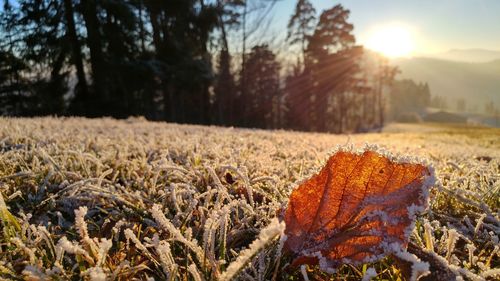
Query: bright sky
[428,26]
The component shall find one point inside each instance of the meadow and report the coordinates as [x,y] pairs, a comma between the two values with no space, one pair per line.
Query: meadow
[105,199]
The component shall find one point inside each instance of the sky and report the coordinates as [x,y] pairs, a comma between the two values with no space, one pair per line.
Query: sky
[434,26]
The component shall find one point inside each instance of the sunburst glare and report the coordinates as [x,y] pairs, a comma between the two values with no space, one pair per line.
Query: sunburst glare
[392,41]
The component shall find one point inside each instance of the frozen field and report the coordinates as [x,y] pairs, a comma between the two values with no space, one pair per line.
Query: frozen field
[115,200]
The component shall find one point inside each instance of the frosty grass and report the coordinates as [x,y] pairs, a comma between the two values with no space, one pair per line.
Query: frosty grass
[106,200]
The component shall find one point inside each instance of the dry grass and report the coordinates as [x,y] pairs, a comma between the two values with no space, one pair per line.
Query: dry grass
[119,200]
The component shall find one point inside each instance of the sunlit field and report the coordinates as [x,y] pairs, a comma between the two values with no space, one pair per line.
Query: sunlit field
[102,199]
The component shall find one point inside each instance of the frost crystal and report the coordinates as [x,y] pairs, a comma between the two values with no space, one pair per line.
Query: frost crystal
[267,234]
[168,226]
[418,267]
[369,274]
[209,184]
[96,274]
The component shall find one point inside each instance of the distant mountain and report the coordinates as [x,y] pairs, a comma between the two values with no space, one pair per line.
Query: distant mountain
[468,55]
[476,83]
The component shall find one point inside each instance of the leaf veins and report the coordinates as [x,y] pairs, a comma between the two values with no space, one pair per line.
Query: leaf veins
[355,209]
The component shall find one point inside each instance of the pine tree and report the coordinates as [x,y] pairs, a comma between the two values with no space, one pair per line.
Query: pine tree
[262,72]
[181,30]
[330,65]
[89,11]
[36,35]
[225,86]
[301,26]
[14,88]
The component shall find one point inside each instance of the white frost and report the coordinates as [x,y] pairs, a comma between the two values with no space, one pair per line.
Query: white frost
[369,274]
[267,234]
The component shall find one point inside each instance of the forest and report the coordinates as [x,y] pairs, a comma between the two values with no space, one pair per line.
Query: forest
[190,61]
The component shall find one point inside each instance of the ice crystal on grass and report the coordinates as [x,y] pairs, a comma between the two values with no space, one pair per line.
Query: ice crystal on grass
[194,272]
[166,225]
[369,274]
[419,268]
[34,274]
[303,271]
[216,189]
[95,274]
[266,236]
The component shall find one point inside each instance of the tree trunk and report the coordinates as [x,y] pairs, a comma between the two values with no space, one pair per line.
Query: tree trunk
[379,98]
[244,105]
[96,55]
[77,54]
[225,98]
[153,17]
[141,28]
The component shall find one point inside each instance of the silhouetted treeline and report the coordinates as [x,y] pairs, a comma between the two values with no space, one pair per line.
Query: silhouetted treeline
[409,100]
[189,61]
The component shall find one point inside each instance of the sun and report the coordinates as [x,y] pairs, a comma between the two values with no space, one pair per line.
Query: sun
[392,41]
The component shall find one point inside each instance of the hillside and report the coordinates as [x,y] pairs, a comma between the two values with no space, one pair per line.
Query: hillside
[101,199]
[477,83]
[468,55]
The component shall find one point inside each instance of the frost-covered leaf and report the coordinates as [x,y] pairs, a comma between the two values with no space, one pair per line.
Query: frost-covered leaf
[356,209]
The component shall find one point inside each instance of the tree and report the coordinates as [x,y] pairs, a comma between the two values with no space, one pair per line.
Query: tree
[461,106]
[14,89]
[440,102]
[181,30]
[301,26]
[384,77]
[347,88]
[89,11]
[332,33]
[329,63]
[225,89]
[253,17]
[298,85]
[263,74]
[82,91]
[155,58]
[321,95]
[13,86]
[489,108]
[36,36]
[407,97]
[225,86]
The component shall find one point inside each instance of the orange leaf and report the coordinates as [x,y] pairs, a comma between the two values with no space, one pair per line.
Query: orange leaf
[355,210]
